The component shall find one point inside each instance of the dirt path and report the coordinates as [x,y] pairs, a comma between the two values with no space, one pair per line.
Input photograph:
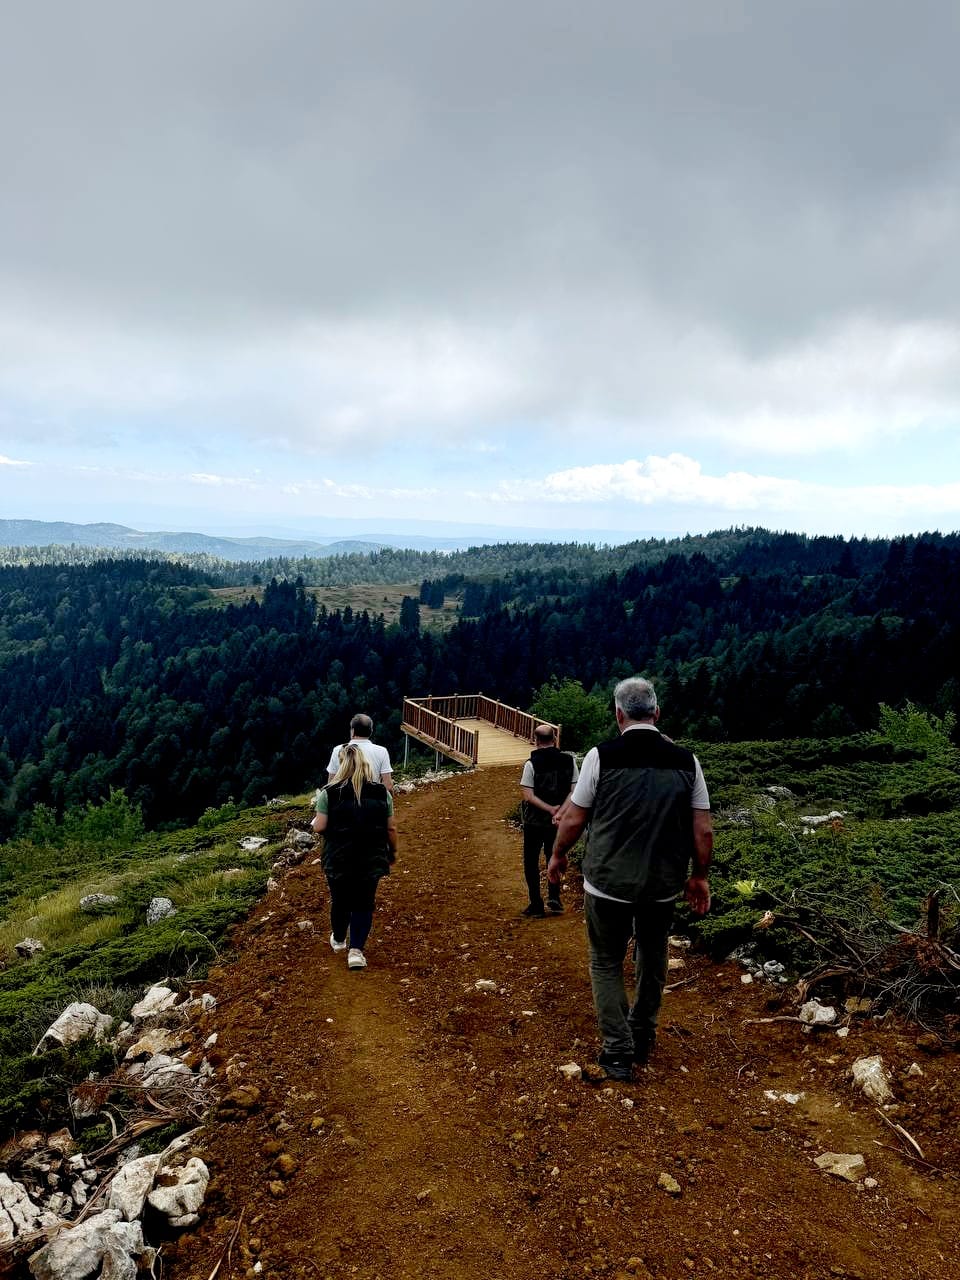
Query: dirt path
[433,1136]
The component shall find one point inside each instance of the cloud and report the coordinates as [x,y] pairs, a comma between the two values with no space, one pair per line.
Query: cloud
[219,482]
[12,462]
[680,481]
[322,230]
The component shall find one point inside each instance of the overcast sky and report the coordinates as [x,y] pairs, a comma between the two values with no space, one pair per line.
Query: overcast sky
[640,266]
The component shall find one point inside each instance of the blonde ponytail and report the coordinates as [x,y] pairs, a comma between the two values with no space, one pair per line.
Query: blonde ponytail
[353,768]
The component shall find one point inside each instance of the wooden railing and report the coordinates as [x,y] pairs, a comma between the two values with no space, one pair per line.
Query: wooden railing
[440,731]
[434,720]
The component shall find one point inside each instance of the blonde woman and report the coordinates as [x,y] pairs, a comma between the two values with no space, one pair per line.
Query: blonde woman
[355,817]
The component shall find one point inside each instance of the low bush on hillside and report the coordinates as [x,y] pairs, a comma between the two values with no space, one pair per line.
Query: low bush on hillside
[109,958]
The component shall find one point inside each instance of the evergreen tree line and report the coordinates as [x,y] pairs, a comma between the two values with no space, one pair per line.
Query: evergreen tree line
[112,677]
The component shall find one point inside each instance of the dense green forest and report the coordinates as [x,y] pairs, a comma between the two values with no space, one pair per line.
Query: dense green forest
[117,675]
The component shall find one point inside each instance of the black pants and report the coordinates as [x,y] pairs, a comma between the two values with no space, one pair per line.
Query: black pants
[351,908]
[535,840]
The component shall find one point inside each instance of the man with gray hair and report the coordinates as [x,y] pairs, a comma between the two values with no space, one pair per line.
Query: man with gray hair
[649,813]
[361,731]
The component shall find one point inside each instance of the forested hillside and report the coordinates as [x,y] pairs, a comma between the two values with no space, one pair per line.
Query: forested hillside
[112,675]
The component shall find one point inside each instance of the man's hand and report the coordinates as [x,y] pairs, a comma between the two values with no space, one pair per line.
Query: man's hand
[556,867]
[697,894]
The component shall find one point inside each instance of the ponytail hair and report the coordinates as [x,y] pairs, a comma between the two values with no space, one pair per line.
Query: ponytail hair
[353,768]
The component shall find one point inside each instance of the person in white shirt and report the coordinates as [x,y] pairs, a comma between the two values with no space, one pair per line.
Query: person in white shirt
[650,842]
[361,729]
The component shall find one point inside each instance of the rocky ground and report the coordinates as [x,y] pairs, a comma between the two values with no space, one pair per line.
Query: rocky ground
[405,1122]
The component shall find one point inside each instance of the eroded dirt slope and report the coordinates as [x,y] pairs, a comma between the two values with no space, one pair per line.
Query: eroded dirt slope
[410,1125]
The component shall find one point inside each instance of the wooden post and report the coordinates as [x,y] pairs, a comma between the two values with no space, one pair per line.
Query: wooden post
[406,749]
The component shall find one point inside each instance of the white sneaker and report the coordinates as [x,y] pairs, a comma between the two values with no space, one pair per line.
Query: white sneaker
[356,959]
[338,946]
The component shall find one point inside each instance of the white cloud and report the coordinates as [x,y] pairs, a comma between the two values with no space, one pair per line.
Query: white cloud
[12,462]
[219,482]
[679,481]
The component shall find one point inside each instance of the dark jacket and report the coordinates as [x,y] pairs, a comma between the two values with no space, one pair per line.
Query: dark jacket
[552,776]
[355,841]
[641,824]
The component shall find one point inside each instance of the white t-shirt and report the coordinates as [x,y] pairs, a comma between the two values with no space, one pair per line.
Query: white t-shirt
[585,792]
[377,757]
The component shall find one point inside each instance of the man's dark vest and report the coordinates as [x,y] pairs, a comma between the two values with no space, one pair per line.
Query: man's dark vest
[641,824]
[355,841]
[552,777]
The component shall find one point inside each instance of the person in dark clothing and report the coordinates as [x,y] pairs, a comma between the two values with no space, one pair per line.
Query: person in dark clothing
[649,814]
[548,778]
[355,817]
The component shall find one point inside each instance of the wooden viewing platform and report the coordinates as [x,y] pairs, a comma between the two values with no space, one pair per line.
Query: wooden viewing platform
[471,728]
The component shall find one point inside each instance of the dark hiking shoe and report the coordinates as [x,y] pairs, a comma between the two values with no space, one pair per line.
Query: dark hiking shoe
[534,911]
[555,905]
[616,1066]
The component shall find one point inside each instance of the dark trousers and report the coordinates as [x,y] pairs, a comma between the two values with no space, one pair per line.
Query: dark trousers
[610,926]
[537,839]
[351,908]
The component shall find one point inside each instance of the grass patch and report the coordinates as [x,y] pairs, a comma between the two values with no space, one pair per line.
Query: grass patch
[108,959]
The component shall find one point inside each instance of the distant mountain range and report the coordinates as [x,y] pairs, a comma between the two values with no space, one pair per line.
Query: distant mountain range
[117,537]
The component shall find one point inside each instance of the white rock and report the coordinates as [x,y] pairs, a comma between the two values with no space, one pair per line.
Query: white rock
[94,902]
[484,984]
[305,926]
[843,1032]
[849,1167]
[815,1014]
[210,1041]
[746,979]
[773,968]
[627,1103]
[272,885]
[299,839]
[252,843]
[160,909]
[870,1183]
[18,1213]
[163,1072]
[208,1002]
[156,1000]
[102,1241]
[60,1204]
[79,1191]
[776,1095]
[817,820]
[77,1022]
[185,1193]
[914,1069]
[157,1040]
[873,1078]
[130,1186]
[571,1071]
[676,962]
[27,948]
[680,943]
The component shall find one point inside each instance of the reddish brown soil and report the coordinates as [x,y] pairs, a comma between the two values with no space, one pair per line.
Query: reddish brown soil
[433,1135]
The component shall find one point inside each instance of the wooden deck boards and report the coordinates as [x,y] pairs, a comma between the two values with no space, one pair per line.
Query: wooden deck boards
[496,746]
